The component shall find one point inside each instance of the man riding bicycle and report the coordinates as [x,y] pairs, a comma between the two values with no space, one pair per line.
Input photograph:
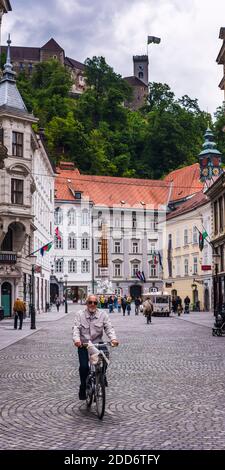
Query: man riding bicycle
[90,325]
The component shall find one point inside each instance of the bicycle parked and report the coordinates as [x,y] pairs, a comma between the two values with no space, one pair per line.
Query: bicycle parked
[96,380]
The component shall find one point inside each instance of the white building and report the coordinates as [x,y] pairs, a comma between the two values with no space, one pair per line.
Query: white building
[43,210]
[134,212]
[73,250]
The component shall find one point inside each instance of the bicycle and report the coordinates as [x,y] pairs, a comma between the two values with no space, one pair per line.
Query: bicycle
[96,380]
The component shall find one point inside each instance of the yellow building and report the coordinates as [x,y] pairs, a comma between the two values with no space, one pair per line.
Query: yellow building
[187,270]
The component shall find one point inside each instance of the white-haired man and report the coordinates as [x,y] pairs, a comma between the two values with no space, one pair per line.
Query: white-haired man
[90,325]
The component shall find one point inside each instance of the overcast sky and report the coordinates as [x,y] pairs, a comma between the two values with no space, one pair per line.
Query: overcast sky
[117,29]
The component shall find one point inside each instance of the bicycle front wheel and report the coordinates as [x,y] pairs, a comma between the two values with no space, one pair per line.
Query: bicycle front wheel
[100,397]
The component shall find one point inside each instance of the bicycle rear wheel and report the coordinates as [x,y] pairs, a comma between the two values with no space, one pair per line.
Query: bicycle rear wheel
[89,393]
[100,396]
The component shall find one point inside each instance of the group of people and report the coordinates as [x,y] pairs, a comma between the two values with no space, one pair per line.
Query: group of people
[178,307]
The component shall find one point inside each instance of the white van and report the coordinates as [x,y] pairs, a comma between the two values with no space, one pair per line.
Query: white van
[161,303]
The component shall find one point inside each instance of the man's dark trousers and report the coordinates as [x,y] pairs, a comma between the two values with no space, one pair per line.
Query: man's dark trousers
[20,315]
[84,368]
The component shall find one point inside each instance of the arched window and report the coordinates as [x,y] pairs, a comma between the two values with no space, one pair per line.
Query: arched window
[71,217]
[186,268]
[58,216]
[85,242]
[195,235]
[72,266]
[85,266]
[72,242]
[58,242]
[85,217]
[59,266]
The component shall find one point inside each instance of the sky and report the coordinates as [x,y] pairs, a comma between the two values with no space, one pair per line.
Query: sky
[118,29]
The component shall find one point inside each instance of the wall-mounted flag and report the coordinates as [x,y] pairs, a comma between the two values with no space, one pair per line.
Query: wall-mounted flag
[58,236]
[46,248]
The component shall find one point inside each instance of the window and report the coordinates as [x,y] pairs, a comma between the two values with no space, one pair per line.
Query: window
[99,220]
[17,147]
[85,266]
[134,268]
[72,242]
[58,242]
[134,220]
[98,270]
[221,213]
[50,228]
[117,222]
[117,247]
[85,217]
[140,75]
[178,266]
[99,246]
[58,216]
[195,235]
[153,270]
[152,247]
[186,270]
[177,239]
[59,266]
[30,67]
[72,266]
[185,236]
[195,265]
[156,219]
[215,218]
[117,270]
[72,217]
[85,242]
[135,247]
[17,191]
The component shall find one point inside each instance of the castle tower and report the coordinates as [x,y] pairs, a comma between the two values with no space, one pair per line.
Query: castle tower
[141,67]
[209,158]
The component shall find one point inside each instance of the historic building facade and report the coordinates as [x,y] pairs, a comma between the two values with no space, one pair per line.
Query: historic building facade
[138,82]
[216,194]
[187,270]
[132,211]
[25,171]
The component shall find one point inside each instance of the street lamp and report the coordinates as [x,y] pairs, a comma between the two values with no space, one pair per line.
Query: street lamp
[32,306]
[66,306]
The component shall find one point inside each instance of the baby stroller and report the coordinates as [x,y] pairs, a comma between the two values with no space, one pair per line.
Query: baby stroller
[219,325]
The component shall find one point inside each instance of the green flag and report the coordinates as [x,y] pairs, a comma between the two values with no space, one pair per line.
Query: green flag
[202,237]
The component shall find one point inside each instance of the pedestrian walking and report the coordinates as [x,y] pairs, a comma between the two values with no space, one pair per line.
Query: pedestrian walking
[124,305]
[19,310]
[57,303]
[137,303]
[148,309]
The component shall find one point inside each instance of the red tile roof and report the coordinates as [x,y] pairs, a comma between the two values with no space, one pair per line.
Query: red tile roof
[191,204]
[185,182]
[110,191]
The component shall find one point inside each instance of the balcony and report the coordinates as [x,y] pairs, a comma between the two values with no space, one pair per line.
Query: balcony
[8,258]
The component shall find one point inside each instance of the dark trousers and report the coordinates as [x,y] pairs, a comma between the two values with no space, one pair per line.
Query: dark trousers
[84,368]
[124,309]
[20,315]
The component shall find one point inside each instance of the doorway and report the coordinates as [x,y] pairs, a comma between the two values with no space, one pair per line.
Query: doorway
[7,299]
[206,300]
[135,291]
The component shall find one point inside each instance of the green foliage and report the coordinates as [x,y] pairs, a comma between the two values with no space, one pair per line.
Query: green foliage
[101,136]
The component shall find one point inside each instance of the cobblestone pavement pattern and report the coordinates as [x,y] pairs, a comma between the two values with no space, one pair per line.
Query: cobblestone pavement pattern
[166,389]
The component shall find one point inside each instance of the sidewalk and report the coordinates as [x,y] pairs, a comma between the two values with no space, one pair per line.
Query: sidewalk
[10,336]
[199,318]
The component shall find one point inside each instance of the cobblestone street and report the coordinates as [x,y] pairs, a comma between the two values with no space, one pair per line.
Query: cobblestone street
[166,389]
